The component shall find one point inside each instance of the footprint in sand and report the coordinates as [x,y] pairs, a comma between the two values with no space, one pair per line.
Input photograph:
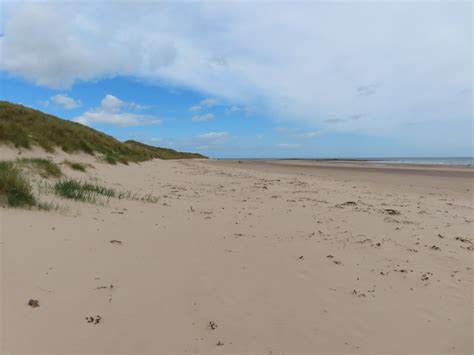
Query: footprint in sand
[94,320]
[33,303]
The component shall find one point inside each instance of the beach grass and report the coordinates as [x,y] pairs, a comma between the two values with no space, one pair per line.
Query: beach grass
[90,192]
[76,165]
[45,167]
[81,191]
[14,188]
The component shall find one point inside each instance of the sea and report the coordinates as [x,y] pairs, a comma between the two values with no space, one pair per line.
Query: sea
[460,161]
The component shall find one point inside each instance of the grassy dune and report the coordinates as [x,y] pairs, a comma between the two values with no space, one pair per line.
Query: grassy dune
[25,127]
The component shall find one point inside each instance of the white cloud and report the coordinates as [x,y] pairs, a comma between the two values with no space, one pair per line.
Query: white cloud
[203,118]
[214,137]
[111,104]
[247,110]
[209,102]
[117,119]
[203,104]
[139,107]
[65,101]
[111,112]
[195,108]
[234,109]
[310,61]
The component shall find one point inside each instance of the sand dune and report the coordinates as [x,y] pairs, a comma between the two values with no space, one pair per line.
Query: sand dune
[252,257]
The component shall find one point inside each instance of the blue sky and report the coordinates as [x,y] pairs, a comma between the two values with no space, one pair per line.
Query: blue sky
[250,79]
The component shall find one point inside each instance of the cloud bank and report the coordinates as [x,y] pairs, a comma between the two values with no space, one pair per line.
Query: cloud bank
[65,101]
[111,112]
[394,65]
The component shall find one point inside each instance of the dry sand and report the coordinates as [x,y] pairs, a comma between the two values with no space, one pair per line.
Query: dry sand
[255,257]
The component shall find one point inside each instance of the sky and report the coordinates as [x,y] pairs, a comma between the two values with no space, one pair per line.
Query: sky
[248,79]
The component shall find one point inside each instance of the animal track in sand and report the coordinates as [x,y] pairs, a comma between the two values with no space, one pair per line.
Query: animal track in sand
[33,303]
[347,203]
[358,293]
[403,271]
[391,211]
[463,240]
[425,276]
[94,320]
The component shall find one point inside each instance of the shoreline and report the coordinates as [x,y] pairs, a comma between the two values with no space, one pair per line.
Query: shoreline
[353,161]
[314,166]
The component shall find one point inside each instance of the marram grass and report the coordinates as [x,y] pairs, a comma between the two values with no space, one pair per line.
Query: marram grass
[89,192]
[14,188]
[45,167]
[76,165]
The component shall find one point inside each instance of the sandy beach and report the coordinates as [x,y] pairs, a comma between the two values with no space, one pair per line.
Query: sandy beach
[249,257]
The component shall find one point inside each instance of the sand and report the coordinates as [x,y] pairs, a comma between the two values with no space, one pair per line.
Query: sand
[259,257]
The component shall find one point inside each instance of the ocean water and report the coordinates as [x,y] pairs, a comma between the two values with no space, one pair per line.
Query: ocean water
[464,161]
[459,161]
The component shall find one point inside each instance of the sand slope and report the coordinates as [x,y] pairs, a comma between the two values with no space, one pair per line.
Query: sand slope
[281,260]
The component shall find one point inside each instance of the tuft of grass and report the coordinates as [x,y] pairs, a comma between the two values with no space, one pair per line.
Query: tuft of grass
[81,191]
[114,158]
[46,168]
[89,192]
[51,206]
[149,198]
[76,166]
[127,195]
[14,187]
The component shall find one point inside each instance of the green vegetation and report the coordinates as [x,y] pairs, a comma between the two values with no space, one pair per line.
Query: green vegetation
[14,188]
[88,192]
[25,127]
[76,165]
[46,168]
[81,191]
[114,158]
[164,153]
